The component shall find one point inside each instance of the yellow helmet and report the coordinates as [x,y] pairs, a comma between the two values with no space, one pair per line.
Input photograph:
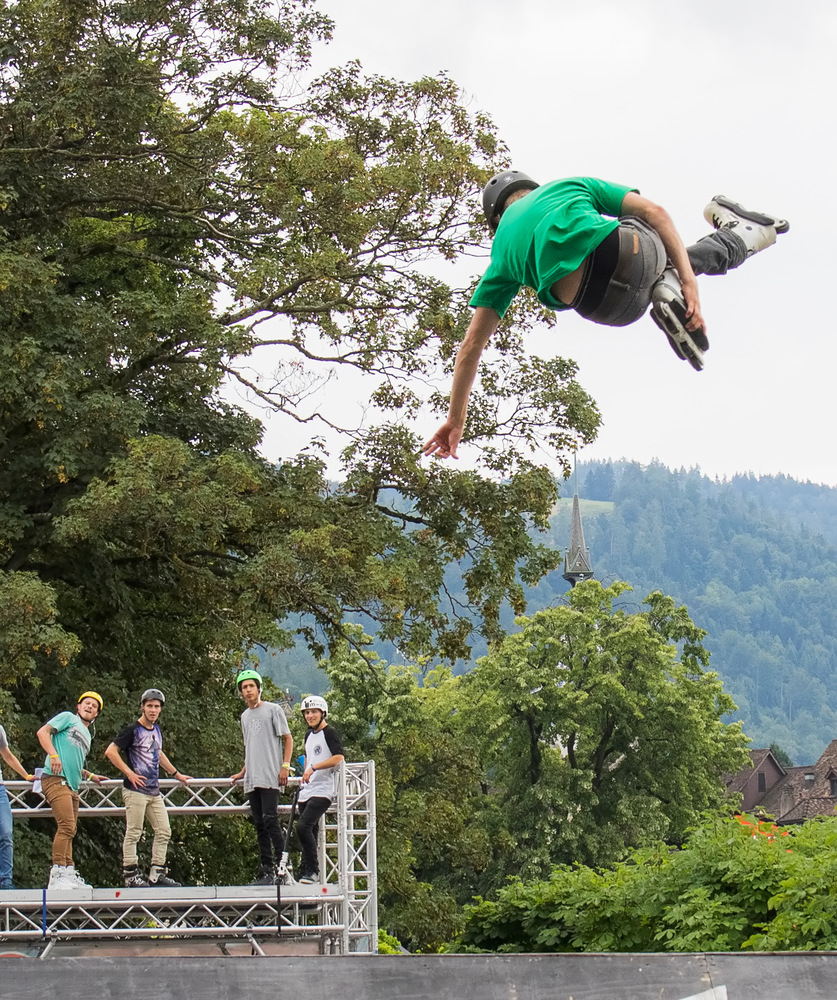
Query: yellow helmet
[91,694]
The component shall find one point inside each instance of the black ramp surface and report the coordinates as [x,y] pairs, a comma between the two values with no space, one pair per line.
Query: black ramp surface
[795,976]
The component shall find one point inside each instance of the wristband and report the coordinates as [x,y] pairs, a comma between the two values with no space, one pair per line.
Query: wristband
[285,764]
[53,756]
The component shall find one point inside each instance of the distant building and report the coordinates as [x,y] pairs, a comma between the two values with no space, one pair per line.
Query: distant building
[577,565]
[790,794]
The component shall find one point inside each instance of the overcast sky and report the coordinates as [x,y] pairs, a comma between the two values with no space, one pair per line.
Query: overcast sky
[683,101]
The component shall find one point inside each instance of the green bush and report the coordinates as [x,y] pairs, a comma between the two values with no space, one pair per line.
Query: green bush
[729,888]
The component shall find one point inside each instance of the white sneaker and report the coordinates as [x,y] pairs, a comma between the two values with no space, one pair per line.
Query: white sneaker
[74,879]
[60,879]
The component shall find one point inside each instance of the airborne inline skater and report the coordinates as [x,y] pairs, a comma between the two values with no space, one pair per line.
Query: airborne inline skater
[604,251]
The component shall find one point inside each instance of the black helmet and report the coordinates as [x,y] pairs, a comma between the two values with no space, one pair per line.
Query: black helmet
[497,190]
[153,694]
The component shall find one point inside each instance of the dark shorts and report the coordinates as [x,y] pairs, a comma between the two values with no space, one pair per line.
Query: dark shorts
[620,273]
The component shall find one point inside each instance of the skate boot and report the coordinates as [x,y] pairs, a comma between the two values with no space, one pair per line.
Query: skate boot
[133,878]
[266,876]
[756,229]
[668,310]
[158,877]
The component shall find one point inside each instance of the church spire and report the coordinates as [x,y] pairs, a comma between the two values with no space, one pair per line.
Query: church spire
[577,565]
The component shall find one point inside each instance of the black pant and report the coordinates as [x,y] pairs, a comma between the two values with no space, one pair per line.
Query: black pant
[263,803]
[307,829]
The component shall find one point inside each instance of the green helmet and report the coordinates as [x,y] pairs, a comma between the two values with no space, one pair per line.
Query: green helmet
[248,675]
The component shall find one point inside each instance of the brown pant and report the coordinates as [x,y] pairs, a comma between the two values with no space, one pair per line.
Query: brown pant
[64,804]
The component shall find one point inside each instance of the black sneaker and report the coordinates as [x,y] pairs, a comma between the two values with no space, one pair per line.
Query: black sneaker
[267,876]
[133,878]
[307,878]
[160,879]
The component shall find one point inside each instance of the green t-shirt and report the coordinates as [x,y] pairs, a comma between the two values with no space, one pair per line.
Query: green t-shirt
[72,743]
[546,236]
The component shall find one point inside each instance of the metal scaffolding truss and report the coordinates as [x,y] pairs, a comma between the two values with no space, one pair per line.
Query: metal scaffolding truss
[231,911]
[200,796]
[342,912]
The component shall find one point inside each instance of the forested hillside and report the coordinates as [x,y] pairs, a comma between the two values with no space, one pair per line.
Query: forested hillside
[755,561]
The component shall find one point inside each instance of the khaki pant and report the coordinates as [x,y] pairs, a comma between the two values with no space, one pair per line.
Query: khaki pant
[138,805]
[64,804]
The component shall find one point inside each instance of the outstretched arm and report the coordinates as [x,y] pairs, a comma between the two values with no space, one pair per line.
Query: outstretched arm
[12,761]
[172,770]
[659,219]
[446,439]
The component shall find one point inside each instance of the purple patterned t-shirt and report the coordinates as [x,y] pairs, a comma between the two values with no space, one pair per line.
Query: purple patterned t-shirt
[142,747]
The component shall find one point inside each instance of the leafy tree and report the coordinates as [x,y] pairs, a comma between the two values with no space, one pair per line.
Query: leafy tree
[589,731]
[604,729]
[172,200]
[428,775]
[762,587]
[599,481]
[780,755]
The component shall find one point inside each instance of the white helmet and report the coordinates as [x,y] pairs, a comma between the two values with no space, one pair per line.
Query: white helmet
[314,701]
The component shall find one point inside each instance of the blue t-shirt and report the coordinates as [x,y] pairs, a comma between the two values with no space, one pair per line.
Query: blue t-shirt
[142,748]
[72,743]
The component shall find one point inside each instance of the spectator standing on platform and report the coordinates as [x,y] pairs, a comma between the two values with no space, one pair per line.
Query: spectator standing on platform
[323,755]
[142,743]
[6,839]
[66,742]
[268,745]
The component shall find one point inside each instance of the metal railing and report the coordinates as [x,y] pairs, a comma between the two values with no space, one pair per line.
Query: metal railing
[200,796]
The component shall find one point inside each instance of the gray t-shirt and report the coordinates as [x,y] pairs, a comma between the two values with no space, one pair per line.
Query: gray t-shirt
[263,728]
[4,743]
